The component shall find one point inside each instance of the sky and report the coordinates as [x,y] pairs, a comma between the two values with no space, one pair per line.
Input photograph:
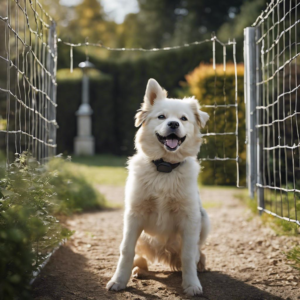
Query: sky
[115,9]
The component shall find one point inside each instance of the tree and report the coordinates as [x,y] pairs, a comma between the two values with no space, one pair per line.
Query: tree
[168,22]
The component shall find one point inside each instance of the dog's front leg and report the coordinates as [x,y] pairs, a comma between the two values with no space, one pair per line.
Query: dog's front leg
[190,257]
[132,231]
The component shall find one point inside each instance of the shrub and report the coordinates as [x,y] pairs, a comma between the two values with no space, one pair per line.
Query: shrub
[28,230]
[31,196]
[74,192]
[212,87]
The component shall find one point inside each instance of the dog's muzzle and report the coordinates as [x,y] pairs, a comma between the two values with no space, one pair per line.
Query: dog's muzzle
[171,141]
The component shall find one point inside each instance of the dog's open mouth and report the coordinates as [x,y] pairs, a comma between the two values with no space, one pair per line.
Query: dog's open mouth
[171,142]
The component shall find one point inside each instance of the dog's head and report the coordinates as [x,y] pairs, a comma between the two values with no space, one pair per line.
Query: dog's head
[170,127]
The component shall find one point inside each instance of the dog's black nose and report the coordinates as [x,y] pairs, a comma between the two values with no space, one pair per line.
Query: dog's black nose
[173,124]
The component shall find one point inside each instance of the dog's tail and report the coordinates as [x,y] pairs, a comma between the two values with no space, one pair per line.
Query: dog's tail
[205,226]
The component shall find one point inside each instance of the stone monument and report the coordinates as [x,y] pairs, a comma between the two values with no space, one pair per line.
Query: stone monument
[84,143]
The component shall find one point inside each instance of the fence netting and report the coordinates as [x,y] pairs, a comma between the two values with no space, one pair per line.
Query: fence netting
[277,41]
[221,135]
[28,57]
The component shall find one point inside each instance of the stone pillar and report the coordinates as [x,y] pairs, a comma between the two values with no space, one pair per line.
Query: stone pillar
[84,143]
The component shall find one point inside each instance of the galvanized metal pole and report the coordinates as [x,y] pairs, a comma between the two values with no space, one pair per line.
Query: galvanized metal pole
[250,99]
[260,191]
[51,110]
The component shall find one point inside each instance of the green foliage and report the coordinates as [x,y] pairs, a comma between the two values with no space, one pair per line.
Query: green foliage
[234,28]
[283,227]
[280,226]
[31,196]
[216,87]
[169,22]
[294,255]
[100,169]
[28,230]
[74,190]
[88,21]
[16,257]
[104,160]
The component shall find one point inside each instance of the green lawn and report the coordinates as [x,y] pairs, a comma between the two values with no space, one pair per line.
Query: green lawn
[101,169]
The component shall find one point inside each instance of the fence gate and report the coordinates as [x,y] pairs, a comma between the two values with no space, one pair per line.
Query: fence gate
[272,109]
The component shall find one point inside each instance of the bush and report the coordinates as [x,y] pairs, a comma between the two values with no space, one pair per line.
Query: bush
[212,87]
[31,195]
[74,192]
[28,230]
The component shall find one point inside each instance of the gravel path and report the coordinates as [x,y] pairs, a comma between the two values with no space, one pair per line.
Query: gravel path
[244,258]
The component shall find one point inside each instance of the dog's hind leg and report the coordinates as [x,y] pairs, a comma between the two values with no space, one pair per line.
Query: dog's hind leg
[205,228]
[140,267]
[152,250]
[201,262]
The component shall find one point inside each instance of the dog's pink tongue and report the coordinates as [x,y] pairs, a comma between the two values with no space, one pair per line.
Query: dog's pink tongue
[172,143]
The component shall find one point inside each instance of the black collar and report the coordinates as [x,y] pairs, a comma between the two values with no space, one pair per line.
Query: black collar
[165,167]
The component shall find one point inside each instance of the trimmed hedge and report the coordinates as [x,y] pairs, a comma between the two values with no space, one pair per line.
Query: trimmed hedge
[211,88]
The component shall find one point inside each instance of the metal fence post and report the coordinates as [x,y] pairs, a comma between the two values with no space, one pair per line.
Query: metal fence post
[260,191]
[250,99]
[52,65]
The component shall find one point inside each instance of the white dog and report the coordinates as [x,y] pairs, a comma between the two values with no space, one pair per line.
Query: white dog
[164,219]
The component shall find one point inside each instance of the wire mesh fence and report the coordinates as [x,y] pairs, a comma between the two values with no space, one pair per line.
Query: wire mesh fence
[28,57]
[221,108]
[276,110]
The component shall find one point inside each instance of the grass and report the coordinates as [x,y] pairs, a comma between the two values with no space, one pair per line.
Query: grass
[101,169]
[208,205]
[77,181]
[280,227]
[75,193]
[294,255]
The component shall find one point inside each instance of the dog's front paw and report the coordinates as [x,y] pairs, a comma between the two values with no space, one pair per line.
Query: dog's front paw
[113,285]
[193,289]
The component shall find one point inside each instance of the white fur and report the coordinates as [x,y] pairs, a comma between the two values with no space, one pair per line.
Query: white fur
[164,219]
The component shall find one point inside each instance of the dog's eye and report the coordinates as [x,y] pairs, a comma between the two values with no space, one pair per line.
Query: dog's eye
[161,117]
[183,118]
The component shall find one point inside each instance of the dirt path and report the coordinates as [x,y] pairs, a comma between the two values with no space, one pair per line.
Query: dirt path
[245,259]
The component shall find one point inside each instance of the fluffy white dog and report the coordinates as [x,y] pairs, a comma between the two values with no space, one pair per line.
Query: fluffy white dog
[164,219]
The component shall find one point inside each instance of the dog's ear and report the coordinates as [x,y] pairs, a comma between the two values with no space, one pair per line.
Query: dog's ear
[201,116]
[154,92]
[140,117]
